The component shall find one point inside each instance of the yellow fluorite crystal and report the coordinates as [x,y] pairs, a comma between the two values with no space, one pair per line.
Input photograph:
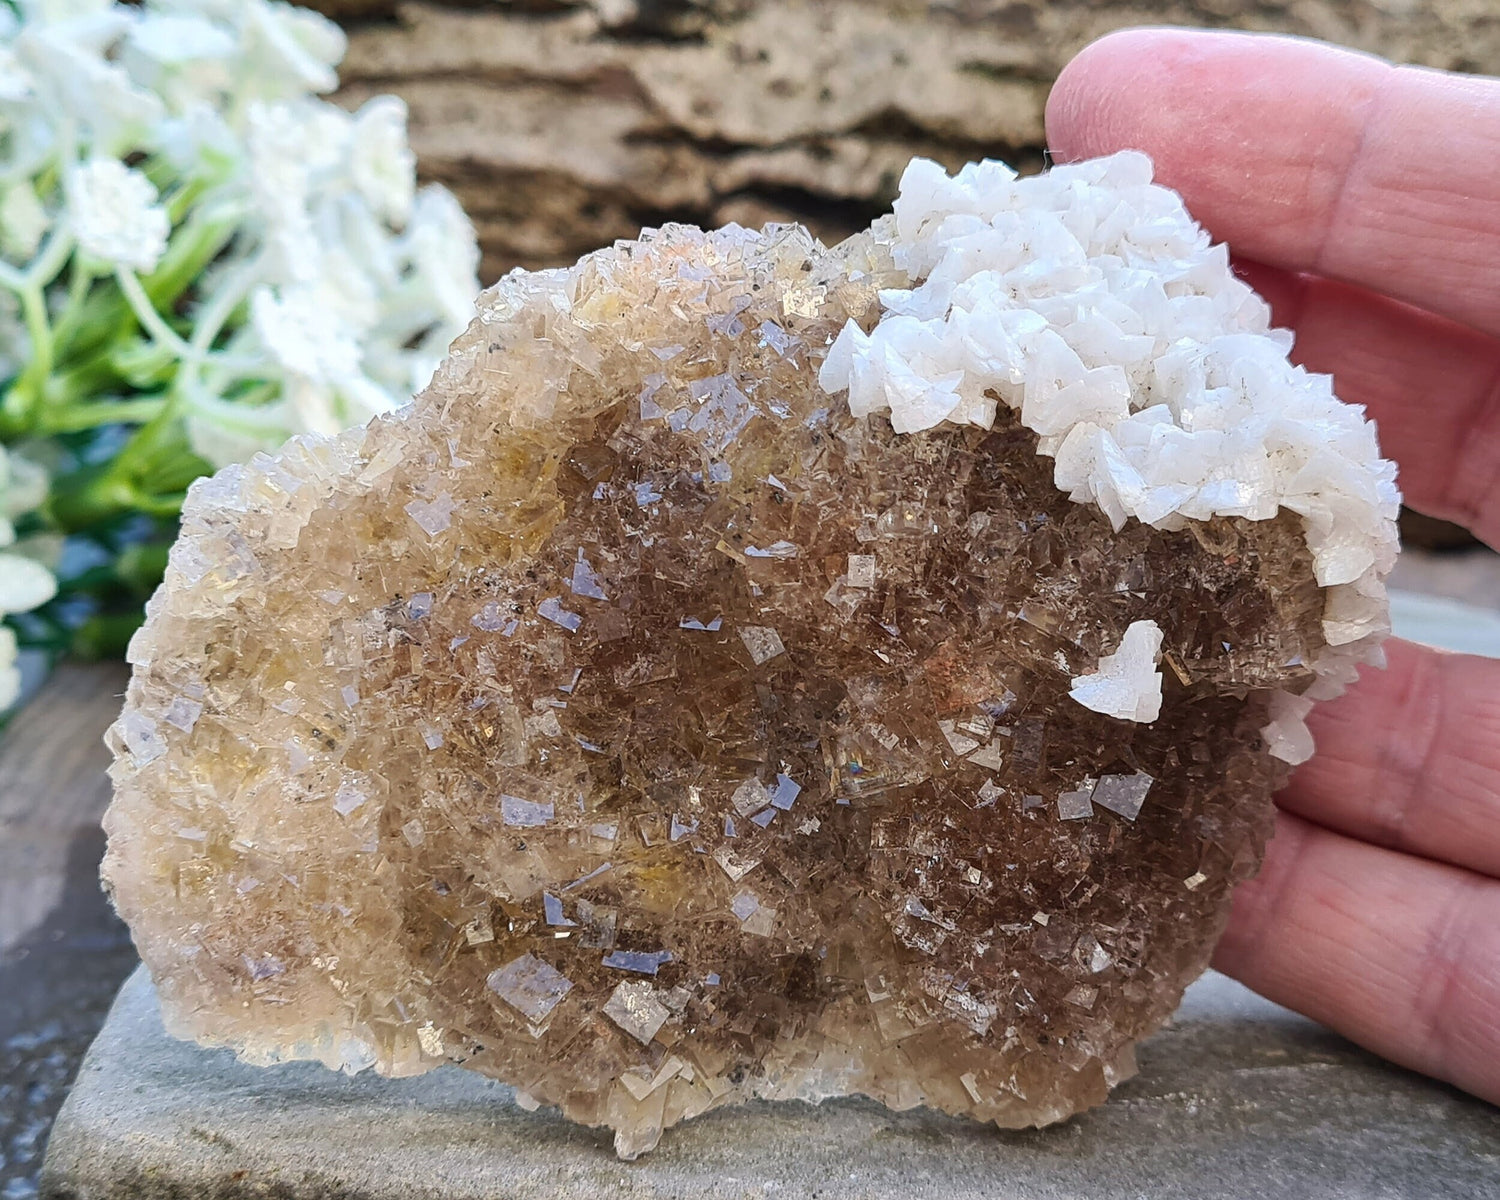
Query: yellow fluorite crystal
[629,721]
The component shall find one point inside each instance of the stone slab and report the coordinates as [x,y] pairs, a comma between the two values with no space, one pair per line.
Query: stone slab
[1237,1098]
[63,952]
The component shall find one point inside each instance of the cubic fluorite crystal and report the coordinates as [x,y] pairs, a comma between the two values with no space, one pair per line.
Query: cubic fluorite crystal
[644,721]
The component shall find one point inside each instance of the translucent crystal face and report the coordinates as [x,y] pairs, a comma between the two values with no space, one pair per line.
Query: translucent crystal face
[631,722]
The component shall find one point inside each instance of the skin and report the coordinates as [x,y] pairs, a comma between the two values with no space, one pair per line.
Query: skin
[1363,200]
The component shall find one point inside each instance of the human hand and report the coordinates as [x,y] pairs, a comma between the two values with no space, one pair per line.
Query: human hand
[1364,202]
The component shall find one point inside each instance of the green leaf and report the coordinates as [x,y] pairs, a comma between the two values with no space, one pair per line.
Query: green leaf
[143,364]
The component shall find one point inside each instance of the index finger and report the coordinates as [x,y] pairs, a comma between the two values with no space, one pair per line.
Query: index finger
[1305,156]
[1397,953]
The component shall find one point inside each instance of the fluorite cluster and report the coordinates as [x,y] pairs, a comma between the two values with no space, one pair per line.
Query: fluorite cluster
[757,670]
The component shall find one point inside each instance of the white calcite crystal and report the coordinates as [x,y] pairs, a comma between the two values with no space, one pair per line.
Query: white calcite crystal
[1127,683]
[1088,300]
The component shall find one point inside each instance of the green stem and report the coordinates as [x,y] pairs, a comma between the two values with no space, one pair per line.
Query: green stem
[221,304]
[145,312]
[86,498]
[79,279]
[193,246]
[164,504]
[182,199]
[76,418]
[250,412]
[34,307]
[50,261]
[149,475]
[23,399]
[196,244]
[77,384]
[234,367]
[105,635]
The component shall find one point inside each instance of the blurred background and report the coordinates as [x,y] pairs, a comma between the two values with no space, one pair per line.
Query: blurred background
[563,124]
[558,126]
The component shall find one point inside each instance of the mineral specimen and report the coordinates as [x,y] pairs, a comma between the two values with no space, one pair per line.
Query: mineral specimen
[640,720]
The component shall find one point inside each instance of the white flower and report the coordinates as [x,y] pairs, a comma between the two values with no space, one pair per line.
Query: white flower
[293,50]
[72,77]
[15,80]
[368,240]
[185,59]
[304,335]
[221,442]
[280,180]
[330,408]
[24,582]
[23,486]
[381,164]
[10,673]
[352,281]
[55,11]
[278,176]
[444,256]
[23,221]
[290,146]
[115,215]
[310,132]
[216,10]
[181,40]
[199,142]
[312,405]
[347,291]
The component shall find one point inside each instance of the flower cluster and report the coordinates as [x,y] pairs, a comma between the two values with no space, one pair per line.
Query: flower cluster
[24,582]
[198,258]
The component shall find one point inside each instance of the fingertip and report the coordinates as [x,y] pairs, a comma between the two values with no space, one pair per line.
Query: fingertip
[1254,130]
[1099,100]
[1202,103]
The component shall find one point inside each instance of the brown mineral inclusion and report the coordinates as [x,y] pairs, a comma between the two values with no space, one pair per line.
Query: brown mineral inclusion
[627,721]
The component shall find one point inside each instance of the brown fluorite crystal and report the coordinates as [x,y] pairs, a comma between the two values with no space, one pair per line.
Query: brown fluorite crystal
[629,722]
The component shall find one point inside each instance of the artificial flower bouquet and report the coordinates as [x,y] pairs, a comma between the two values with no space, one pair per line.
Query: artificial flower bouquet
[198,258]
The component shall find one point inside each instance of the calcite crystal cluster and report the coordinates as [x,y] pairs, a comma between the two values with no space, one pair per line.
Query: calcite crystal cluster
[758,670]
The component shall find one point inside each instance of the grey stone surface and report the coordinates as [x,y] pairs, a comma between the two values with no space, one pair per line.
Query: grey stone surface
[63,952]
[1237,1098]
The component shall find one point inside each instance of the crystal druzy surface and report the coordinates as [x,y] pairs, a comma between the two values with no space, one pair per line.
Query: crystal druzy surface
[631,721]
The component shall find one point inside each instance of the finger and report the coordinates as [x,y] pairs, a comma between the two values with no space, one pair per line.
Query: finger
[1432,386]
[1305,156]
[1396,953]
[1409,759]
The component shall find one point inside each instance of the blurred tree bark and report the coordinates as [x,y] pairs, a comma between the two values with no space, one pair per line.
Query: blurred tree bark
[563,124]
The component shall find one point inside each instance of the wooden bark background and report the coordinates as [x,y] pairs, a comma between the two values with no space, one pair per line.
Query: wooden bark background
[563,124]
